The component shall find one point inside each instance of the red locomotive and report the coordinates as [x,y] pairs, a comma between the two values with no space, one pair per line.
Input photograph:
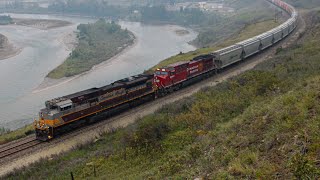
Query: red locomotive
[177,75]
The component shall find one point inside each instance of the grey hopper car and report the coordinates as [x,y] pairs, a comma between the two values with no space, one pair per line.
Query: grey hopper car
[285,30]
[250,46]
[277,34]
[291,25]
[228,56]
[266,40]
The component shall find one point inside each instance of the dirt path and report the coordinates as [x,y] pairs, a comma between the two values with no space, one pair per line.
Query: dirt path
[82,136]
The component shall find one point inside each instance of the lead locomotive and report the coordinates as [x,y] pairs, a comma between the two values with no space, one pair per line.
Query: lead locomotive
[69,112]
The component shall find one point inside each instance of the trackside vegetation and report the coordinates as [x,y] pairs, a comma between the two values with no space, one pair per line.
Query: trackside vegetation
[262,124]
[97,42]
[6,135]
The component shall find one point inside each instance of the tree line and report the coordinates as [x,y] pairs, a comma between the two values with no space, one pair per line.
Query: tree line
[93,8]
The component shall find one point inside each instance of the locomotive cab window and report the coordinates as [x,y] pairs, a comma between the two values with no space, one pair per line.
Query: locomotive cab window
[65,108]
[161,73]
[65,105]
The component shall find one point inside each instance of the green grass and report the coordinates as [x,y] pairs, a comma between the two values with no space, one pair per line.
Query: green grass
[247,32]
[7,136]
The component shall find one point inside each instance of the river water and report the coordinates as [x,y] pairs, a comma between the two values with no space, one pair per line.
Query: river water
[20,76]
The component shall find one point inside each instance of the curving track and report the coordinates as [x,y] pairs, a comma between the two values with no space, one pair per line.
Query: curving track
[13,148]
[244,49]
[266,39]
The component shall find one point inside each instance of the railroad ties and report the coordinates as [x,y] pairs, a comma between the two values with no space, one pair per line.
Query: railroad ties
[10,149]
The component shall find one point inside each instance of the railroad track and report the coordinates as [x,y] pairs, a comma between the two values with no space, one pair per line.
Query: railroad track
[10,149]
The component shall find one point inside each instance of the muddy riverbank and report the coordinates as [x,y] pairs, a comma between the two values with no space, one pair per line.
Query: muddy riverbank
[7,49]
[43,24]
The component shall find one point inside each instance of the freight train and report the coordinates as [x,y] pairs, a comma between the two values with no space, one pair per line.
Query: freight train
[66,113]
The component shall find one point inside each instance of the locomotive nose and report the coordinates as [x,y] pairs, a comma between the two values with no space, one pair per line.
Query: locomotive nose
[161,80]
[156,80]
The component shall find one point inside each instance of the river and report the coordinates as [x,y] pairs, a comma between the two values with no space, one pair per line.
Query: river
[20,76]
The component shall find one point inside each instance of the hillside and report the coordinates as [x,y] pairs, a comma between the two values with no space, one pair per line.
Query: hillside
[244,33]
[212,26]
[253,20]
[306,4]
[247,12]
[263,124]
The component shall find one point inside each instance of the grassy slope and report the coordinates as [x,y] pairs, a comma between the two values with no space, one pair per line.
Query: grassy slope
[262,124]
[247,32]
[16,134]
[210,33]
[97,43]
